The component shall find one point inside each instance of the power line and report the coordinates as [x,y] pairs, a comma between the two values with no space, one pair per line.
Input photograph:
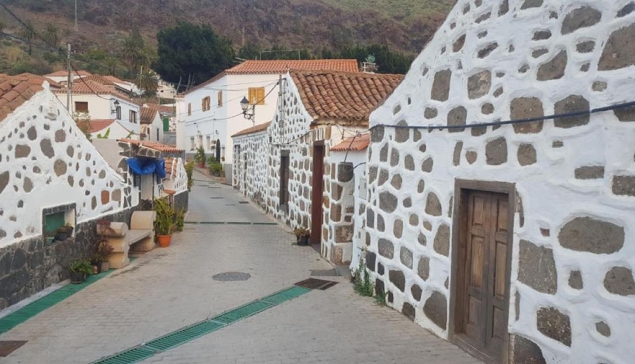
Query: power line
[86,83]
[512,122]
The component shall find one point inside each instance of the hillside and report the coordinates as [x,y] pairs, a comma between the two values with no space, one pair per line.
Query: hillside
[404,25]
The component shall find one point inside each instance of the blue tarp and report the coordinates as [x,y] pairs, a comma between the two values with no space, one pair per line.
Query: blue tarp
[147,166]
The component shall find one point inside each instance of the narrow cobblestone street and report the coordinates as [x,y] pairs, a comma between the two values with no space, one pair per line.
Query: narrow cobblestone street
[167,289]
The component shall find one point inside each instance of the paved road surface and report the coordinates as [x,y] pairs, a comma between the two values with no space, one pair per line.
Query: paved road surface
[170,288]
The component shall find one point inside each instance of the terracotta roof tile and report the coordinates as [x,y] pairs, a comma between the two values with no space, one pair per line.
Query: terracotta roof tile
[343,96]
[283,66]
[99,79]
[148,114]
[99,125]
[65,73]
[14,91]
[358,143]
[252,130]
[152,145]
[91,87]
[162,108]
[275,67]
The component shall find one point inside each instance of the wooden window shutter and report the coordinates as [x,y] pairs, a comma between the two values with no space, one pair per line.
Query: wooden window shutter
[189,109]
[220,98]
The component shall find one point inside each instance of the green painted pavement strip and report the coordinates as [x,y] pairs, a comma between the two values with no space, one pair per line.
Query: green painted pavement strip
[16,318]
[194,331]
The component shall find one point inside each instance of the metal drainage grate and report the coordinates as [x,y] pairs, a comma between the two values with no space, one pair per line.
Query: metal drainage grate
[202,328]
[183,336]
[7,347]
[313,283]
[216,198]
[129,356]
[231,277]
[243,202]
[243,312]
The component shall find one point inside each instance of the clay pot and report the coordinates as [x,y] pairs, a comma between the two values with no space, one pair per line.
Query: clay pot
[164,240]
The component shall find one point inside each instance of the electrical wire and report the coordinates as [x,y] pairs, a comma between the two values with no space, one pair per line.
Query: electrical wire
[512,122]
[85,83]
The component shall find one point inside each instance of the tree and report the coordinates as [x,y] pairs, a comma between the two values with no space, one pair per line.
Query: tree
[148,82]
[192,52]
[52,35]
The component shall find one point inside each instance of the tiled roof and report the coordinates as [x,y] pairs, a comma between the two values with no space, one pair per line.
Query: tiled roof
[65,73]
[148,114]
[152,145]
[87,87]
[114,79]
[99,79]
[34,79]
[252,130]
[164,109]
[283,66]
[357,143]
[99,125]
[14,92]
[343,96]
[275,67]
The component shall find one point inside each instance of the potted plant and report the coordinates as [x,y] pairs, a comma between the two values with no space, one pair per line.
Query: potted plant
[100,258]
[64,232]
[80,269]
[199,157]
[164,223]
[302,235]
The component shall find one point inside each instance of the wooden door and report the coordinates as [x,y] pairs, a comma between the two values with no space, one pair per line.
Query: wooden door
[284,180]
[484,302]
[317,190]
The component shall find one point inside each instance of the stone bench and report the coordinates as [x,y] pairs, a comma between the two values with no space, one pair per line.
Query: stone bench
[139,238]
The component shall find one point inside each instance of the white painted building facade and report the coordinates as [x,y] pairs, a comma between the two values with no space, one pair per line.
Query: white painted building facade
[204,123]
[548,204]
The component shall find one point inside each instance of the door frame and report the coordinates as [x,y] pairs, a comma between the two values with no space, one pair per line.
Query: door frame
[317,197]
[459,220]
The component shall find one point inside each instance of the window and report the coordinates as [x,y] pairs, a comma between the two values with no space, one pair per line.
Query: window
[192,143]
[256,95]
[133,116]
[200,141]
[206,104]
[209,142]
[157,134]
[189,109]
[81,106]
[118,111]
[220,98]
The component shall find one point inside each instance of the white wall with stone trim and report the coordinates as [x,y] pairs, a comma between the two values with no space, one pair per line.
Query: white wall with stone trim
[575,177]
[46,161]
[251,155]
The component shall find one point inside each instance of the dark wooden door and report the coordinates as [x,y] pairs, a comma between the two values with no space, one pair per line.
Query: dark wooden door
[317,190]
[484,304]
[284,181]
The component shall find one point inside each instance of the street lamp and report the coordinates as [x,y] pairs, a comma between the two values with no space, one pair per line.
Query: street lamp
[244,104]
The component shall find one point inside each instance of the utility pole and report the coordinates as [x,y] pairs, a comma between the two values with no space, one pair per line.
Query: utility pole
[76,27]
[69,85]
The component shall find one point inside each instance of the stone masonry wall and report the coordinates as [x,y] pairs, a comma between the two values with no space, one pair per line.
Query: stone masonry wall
[34,264]
[341,177]
[46,161]
[252,180]
[572,284]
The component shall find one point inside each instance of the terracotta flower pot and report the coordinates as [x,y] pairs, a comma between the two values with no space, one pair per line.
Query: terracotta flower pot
[164,240]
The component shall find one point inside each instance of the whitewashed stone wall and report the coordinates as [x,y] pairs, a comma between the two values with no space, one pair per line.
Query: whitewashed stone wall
[178,176]
[572,290]
[339,229]
[249,174]
[46,161]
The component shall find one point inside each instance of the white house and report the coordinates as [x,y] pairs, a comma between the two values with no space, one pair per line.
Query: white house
[95,101]
[210,113]
[166,90]
[50,176]
[151,124]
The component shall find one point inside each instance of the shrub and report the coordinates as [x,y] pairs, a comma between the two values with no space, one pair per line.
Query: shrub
[189,169]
